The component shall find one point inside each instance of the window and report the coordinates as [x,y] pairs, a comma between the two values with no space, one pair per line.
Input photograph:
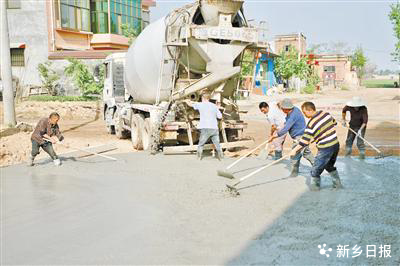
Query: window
[17,56]
[99,16]
[75,14]
[125,12]
[287,48]
[13,4]
[329,68]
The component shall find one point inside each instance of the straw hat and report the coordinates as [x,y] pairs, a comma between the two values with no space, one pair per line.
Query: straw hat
[286,104]
[356,101]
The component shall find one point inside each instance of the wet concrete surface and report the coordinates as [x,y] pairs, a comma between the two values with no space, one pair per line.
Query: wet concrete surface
[173,210]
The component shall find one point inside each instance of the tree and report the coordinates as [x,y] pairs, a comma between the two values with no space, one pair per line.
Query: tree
[358,61]
[288,65]
[394,16]
[329,48]
[130,32]
[370,69]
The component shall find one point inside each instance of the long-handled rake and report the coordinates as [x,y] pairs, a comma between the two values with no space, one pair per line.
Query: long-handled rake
[86,151]
[233,189]
[225,173]
[380,154]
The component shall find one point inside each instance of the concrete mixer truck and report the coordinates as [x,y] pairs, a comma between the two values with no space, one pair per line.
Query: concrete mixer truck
[194,49]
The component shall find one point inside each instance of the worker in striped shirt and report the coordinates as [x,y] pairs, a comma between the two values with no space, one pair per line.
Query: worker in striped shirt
[320,129]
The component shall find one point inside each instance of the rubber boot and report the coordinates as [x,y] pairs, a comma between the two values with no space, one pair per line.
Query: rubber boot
[57,162]
[336,180]
[315,184]
[200,155]
[362,154]
[348,152]
[220,155]
[295,168]
[310,158]
[278,155]
[30,161]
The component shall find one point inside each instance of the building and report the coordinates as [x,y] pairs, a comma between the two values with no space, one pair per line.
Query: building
[59,29]
[334,70]
[297,40]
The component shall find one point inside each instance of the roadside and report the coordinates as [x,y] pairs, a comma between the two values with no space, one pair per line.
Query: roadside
[82,123]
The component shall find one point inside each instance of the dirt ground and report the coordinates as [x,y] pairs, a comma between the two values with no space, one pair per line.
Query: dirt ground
[82,123]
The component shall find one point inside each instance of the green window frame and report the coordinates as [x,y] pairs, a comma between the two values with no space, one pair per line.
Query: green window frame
[125,12]
[99,16]
[75,14]
[17,57]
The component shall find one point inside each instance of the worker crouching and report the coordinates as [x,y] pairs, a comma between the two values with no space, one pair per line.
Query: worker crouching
[320,129]
[44,136]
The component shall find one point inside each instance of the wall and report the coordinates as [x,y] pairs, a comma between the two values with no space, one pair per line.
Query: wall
[29,25]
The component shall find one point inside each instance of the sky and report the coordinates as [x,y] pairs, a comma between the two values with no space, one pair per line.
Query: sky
[357,23]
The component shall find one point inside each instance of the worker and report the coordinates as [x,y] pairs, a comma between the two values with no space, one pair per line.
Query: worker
[276,118]
[320,129]
[358,123]
[295,125]
[208,126]
[44,136]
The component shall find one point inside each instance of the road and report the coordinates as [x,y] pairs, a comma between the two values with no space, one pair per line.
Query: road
[162,209]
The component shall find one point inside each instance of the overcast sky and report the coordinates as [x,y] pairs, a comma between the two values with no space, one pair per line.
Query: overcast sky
[364,23]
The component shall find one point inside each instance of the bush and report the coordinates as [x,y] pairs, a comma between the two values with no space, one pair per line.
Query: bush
[48,98]
[309,89]
[344,88]
[83,78]
[49,77]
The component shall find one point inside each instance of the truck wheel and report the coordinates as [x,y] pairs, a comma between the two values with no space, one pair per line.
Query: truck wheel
[120,132]
[136,131]
[108,116]
[146,134]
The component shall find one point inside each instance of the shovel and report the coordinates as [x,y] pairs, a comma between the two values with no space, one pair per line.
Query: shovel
[225,173]
[380,154]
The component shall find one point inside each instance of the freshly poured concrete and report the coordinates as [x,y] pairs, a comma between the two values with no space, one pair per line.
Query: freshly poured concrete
[173,210]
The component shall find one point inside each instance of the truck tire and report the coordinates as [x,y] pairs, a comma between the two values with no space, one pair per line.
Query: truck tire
[120,132]
[108,116]
[146,134]
[136,131]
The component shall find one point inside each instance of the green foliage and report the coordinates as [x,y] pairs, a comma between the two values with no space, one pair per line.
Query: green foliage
[83,78]
[394,16]
[130,32]
[248,64]
[48,76]
[309,89]
[344,88]
[358,61]
[47,98]
[378,83]
[288,65]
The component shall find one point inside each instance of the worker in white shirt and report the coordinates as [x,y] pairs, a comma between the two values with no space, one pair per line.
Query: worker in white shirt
[277,119]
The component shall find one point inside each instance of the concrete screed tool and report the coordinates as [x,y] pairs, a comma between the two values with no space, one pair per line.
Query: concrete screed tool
[233,189]
[92,153]
[227,174]
[380,154]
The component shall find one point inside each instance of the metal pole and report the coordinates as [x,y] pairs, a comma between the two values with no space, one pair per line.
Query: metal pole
[6,76]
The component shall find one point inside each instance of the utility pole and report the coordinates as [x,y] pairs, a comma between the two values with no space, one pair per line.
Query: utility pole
[6,76]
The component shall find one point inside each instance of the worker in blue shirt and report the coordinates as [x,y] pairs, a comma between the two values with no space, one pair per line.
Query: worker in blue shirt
[295,124]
